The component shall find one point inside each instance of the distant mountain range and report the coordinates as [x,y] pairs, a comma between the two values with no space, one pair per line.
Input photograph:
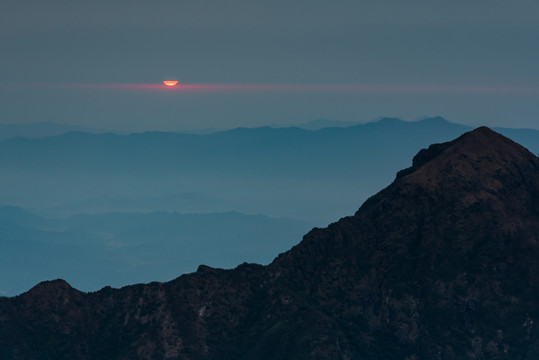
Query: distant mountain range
[280,172]
[319,124]
[314,177]
[124,248]
[441,264]
[41,129]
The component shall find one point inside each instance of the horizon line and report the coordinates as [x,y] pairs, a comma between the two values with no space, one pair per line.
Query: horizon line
[292,87]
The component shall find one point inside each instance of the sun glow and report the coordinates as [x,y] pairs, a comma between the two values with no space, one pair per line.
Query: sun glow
[170,82]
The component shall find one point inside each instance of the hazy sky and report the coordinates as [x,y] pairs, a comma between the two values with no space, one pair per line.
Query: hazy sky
[472,62]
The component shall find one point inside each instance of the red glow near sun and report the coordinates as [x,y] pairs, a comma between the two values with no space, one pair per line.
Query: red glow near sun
[171,85]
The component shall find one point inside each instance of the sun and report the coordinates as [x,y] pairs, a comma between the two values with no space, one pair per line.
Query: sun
[170,82]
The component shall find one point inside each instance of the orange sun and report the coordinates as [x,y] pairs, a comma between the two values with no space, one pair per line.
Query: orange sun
[170,82]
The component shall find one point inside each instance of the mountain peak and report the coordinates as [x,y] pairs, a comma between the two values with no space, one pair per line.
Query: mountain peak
[433,120]
[479,154]
[54,286]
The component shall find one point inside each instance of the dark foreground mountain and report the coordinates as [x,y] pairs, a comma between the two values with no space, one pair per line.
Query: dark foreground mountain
[442,264]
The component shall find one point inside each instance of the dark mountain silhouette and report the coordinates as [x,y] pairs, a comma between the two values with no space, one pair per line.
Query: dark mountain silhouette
[442,264]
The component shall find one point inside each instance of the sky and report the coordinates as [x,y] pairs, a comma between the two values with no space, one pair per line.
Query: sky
[254,63]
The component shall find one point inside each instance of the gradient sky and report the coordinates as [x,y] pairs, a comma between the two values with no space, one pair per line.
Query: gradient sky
[90,63]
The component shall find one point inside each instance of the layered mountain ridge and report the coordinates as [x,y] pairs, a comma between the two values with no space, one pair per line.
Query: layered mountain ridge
[442,264]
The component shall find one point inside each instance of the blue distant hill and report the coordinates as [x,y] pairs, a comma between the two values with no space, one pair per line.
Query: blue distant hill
[314,175]
[41,129]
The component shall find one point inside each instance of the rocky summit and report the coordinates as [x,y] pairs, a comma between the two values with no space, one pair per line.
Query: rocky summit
[441,264]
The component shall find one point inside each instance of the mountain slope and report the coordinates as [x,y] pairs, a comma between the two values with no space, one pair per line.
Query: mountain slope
[439,261]
[439,265]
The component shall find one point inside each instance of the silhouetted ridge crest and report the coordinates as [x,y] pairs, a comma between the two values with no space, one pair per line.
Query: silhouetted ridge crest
[52,286]
[480,145]
[422,157]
